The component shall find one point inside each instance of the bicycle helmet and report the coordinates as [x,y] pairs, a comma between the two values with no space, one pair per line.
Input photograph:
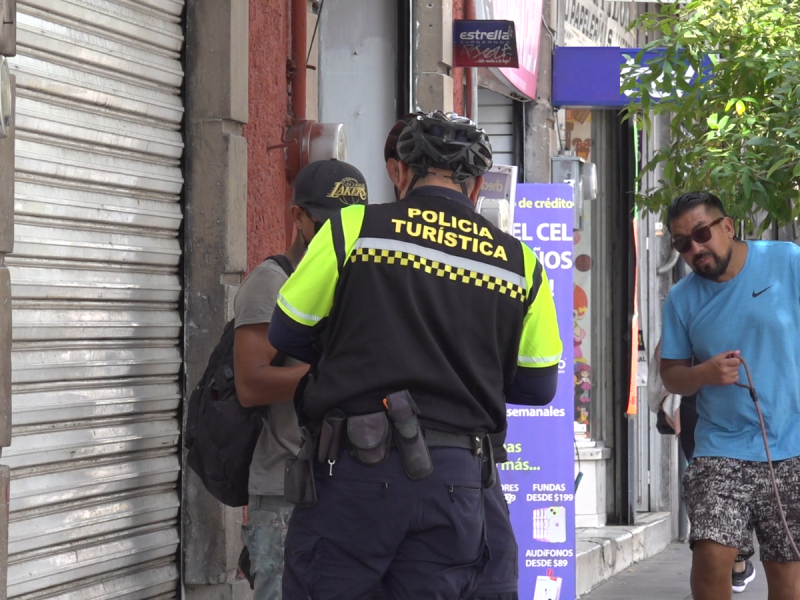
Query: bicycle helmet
[443,140]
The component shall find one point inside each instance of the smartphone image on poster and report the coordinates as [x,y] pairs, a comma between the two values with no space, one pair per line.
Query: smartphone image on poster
[548,587]
[557,524]
[550,524]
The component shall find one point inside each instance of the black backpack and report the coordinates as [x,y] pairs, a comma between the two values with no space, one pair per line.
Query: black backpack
[221,434]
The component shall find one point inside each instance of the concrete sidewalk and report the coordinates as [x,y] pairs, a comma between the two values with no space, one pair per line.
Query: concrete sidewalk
[603,552]
[665,576]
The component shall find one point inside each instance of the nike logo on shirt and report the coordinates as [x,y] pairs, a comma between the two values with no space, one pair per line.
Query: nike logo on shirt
[756,294]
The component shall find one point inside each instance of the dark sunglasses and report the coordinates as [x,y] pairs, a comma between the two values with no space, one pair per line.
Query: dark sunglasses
[701,235]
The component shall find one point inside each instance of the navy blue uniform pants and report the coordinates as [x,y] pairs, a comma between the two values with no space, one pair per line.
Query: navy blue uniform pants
[423,539]
[500,579]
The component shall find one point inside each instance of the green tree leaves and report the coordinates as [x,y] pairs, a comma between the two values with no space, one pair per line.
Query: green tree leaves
[728,75]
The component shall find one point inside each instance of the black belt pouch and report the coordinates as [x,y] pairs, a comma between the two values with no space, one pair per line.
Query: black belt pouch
[408,436]
[369,438]
[331,434]
[298,480]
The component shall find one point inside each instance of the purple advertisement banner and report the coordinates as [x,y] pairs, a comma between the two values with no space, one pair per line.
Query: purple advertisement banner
[539,478]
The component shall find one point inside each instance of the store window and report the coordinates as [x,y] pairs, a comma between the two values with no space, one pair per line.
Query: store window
[578,138]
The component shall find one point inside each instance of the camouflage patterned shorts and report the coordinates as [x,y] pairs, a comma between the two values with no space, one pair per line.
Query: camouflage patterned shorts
[727,499]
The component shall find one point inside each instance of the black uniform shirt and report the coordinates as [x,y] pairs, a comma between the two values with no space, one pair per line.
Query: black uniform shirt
[426,295]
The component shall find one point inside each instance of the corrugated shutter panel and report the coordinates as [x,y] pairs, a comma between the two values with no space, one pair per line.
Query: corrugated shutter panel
[94,504]
[496,117]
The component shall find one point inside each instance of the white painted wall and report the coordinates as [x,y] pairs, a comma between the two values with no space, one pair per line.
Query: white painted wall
[358,81]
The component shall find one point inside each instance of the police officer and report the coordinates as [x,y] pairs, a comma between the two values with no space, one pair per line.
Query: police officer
[427,315]
[500,580]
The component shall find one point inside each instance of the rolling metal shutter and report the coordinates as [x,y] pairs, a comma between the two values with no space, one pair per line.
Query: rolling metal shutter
[496,117]
[94,505]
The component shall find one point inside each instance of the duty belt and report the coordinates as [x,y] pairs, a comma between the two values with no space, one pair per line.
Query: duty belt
[436,438]
[369,437]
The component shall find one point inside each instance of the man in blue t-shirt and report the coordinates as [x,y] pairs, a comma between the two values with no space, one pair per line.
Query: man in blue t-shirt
[743,299]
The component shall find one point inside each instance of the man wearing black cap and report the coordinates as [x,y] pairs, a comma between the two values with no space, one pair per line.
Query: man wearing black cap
[321,190]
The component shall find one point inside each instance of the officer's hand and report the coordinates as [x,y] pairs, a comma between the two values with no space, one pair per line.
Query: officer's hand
[722,369]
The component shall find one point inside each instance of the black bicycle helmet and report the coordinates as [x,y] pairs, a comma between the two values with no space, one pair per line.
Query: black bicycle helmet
[446,141]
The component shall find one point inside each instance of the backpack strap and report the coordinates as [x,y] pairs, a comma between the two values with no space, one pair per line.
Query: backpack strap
[283,262]
[288,268]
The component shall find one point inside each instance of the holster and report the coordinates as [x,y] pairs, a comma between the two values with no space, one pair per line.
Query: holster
[408,436]
[369,438]
[298,480]
[331,435]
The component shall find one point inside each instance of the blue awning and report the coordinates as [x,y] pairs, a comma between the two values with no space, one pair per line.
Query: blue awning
[589,76]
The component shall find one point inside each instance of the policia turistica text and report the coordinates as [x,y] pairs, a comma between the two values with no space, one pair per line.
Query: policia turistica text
[426,316]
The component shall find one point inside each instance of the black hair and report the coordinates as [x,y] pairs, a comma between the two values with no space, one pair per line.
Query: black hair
[683,204]
[390,147]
